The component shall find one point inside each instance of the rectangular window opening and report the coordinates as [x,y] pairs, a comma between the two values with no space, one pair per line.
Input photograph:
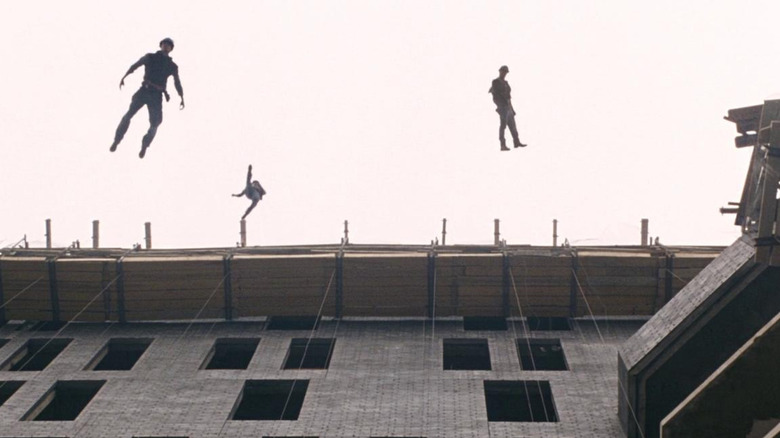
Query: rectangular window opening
[8,388]
[64,401]
[119,354]
[270,400]
[541,354]
[311,353]
[231,354]
[292,323]
[35,354]
[491,323]
[544,323]
[466,354]
[519,401]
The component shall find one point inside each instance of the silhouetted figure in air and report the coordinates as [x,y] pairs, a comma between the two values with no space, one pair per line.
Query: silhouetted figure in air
[157,67]
[502,97]
[253,191]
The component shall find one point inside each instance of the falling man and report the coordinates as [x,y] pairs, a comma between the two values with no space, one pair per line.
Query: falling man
[157,68]
[253,190]
[502,97]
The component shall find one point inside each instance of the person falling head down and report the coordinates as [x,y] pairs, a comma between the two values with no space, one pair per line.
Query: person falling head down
[253,190]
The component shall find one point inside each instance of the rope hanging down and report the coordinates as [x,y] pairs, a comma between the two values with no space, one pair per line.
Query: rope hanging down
[603,342]
[527,333]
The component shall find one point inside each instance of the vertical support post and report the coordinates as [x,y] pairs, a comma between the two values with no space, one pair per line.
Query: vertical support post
[48,233]
[496,233]
[669,277]
[243,233]
[226,269]
[431,284]
[555,233]
[339,284]
[644,231]
[505,283]
[148,238]
[104,279]
[95,234]
[573,286]
[346,231]
[444,231]
[120,291]
[53,292]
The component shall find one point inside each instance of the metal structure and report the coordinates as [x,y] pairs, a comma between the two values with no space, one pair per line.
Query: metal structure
[757,212]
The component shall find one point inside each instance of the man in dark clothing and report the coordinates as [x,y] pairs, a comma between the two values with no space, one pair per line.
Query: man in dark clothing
[157,67]
[253,191]
[502,97]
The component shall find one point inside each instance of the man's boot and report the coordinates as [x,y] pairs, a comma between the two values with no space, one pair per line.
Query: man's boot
[503,145]
[144,146]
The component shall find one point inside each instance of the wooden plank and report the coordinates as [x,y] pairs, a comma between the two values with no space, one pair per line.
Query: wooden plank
[588,262]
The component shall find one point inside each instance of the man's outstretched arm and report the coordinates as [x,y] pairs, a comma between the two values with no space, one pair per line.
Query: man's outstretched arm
[249,175]
[179,89]
[132,68]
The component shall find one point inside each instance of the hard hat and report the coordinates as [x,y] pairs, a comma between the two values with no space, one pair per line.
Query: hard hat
[503,67]
[167,41]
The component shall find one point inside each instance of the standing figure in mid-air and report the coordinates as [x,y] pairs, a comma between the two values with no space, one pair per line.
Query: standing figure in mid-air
[253,190]
[502,97]
[157,67]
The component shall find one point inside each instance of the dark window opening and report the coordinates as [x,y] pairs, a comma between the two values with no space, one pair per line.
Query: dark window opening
[64,401]
[312,353]
[35,354]
[466,354]
[8,388]
[541,354]
[292,323]
[522,401]
[539,323]
[270,400]
[119,354]
[492,323]
[231,354]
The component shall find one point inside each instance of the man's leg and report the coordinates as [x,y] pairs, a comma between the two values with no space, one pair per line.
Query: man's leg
[155,119]
[502,128]
[251,207]
[510,121]
[135,104]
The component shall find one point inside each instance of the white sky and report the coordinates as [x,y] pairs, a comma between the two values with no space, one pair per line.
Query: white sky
[377,112]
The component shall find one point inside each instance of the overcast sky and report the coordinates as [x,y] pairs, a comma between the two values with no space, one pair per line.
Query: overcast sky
[377,112]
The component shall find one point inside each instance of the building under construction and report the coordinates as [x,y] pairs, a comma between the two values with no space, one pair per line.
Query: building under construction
[403,341]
